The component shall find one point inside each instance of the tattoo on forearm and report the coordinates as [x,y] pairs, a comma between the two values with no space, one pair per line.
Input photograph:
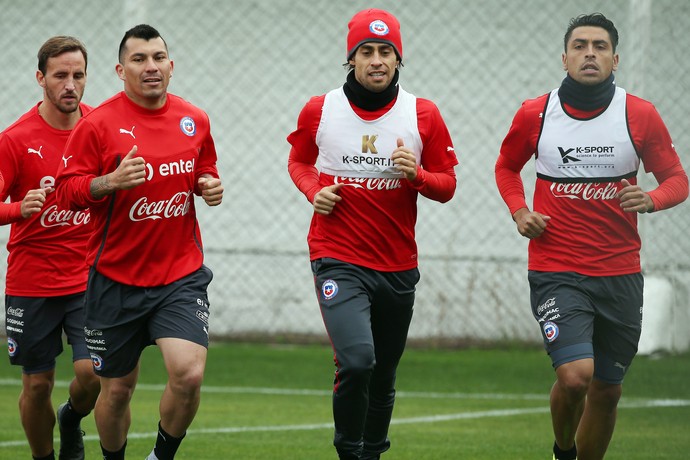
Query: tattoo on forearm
[100,187]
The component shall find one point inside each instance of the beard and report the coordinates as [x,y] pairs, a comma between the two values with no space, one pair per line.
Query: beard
[66,107]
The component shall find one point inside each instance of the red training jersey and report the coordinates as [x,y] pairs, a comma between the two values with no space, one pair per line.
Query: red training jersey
[47,251]
[588,232]
[374,223]
[148,235]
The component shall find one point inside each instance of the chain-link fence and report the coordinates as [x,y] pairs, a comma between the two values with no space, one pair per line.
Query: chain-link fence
[253,64]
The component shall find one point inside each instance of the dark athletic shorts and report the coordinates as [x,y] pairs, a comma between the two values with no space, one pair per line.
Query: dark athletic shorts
[122,320]
[596,317]
[34,328]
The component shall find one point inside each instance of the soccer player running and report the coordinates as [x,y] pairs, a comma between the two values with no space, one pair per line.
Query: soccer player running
[588,138]
[137,161]
[46,267]
[378,147]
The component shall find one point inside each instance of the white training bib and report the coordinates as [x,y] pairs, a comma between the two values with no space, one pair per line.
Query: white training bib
[352,147]
[593,150]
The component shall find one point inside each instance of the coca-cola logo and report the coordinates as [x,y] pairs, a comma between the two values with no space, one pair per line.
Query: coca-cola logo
[56,217]
[584,191]
[176,206]
[548,304]
[13,311]
[370,183]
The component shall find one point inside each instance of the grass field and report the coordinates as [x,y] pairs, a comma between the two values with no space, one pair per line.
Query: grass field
[272,402]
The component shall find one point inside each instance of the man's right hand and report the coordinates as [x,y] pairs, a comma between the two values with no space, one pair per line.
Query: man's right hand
[33,201]
[130,173]
[530,224]
[326,198]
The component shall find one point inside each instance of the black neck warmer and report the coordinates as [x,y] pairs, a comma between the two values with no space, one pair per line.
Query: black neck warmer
[587,97]
[369,100]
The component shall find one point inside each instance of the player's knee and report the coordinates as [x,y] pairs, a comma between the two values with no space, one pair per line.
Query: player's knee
[37,388]
[83,370]
[187,383]
[605,394]
[575,384]
[90,382]
[117,396]
[357,361]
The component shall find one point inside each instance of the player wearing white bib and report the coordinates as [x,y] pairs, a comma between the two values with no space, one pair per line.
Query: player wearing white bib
[589,138]
[377,148]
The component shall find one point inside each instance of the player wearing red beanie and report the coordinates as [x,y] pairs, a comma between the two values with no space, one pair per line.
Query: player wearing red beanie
[378,147]
[374,26]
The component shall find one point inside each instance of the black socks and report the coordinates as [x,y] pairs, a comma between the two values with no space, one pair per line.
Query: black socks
[166,445]
[70,418]
[50,456]
[119,455]
[570,454]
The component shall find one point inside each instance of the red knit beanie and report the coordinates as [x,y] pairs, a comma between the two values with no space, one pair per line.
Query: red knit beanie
[373,26]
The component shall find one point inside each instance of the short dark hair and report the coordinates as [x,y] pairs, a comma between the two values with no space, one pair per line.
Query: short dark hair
[143,31]
[55,46]
[595,20]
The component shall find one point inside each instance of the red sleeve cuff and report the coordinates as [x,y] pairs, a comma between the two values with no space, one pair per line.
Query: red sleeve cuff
[10,212]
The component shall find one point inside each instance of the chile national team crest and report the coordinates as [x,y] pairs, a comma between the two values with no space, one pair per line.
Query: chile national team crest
[97,361]
[11,346]
[329,289]
[379,27]
[188,126]
[550,331]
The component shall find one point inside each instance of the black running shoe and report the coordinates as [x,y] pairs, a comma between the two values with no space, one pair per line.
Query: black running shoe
[71,439]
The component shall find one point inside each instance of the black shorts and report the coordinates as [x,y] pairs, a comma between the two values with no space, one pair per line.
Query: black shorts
[34,328]
[122,320]
[597,317]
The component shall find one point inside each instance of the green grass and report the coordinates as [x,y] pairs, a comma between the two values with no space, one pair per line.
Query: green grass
[272,402]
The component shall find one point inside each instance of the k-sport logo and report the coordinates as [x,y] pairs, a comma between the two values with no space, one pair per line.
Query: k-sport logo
[55,217]
[575,154]
[369,160]
[368,143]
[584,191]
[565,155]
[178,205]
